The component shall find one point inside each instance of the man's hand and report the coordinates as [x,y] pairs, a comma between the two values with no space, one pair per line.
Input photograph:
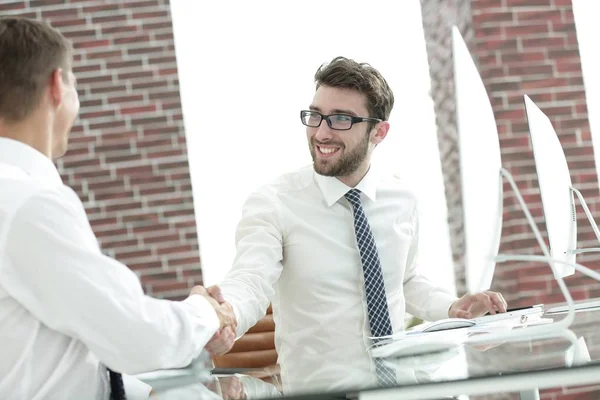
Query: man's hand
[232,388]
[224,310]
[224,339]
[475,305]
[221,342]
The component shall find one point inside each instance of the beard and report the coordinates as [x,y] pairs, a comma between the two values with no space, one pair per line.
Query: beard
[347,163]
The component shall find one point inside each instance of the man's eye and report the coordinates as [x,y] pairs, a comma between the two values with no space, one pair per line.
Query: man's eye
[341,118]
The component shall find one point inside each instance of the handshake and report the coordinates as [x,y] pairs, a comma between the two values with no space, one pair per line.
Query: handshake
[223,340]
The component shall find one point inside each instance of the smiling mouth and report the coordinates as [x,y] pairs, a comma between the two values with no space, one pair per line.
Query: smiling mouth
[327,151]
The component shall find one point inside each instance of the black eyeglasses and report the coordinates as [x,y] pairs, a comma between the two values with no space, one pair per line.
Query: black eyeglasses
[339,122]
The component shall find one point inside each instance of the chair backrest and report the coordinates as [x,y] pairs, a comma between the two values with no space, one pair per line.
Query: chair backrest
[255,349]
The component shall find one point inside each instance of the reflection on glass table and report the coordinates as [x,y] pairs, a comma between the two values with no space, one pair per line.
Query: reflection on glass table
[461,369]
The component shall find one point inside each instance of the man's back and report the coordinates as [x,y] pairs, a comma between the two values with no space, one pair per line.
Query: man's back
[67,366]
[66,309]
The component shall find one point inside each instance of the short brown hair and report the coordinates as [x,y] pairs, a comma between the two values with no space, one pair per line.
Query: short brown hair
[344,73]
[29,52]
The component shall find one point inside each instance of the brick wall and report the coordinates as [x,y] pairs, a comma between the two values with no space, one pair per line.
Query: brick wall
[530,47]
[520,47]
[127,157]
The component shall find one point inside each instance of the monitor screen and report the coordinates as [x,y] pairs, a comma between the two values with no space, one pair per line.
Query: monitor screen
[555,187]
[480,164]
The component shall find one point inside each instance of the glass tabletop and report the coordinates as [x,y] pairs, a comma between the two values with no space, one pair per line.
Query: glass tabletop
[462,355]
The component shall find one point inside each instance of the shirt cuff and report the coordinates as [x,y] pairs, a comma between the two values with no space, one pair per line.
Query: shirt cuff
[440,305]
[236,312]
[205,311]
[136,389]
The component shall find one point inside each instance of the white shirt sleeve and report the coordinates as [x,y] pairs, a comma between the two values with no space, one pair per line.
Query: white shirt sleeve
[136,389]
[56,270]
[249,286]
[423,299]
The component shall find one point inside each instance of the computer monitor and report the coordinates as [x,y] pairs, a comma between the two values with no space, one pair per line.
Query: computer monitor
[480,165]
[555,187]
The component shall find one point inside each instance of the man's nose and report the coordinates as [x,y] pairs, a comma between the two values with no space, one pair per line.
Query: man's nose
[323,133]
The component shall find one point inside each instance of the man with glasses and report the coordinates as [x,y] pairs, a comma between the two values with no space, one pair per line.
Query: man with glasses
[333,246]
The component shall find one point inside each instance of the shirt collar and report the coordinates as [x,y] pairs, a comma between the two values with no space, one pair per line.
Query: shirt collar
[333,189]
[29,160]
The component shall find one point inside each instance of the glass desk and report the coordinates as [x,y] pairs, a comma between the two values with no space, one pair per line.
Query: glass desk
[521,367]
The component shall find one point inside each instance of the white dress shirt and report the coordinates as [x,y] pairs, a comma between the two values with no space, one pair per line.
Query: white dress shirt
[296,248]
[66,310]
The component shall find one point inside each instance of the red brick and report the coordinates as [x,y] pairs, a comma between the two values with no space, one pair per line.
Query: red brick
[92,44]
[163,95]
[69,22]
[151,14]
[105,54]
[544,83]
[114,244]
[174,249]
[137,38]
[168,285]
[95,79]
[135,75]
[109,18]
[547,42]
[539,15]
[531,70]
[569,95]
[568,66]
[81,34]
[119,29]
[41,3]
[101,7]
[96,114]
[124,64]
[133,205]
[165,36]
[10,6]
[87,68]
[106,125]
[563,53]
[125,99]
[162,59]
[519,30]
[89,103]
[62,13]
[138,109]
[530,56]
[163,238]
[109,89]
[144,50]
[156,25]
[148,85]
[143,3]
[528,3]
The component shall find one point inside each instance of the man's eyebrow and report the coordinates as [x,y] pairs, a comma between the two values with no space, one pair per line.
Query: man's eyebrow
[334,111]
[341,111]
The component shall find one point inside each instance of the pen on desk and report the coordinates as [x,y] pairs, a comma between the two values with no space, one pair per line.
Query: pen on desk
[231,371]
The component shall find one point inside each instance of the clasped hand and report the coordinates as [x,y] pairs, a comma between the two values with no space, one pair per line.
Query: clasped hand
[223,340]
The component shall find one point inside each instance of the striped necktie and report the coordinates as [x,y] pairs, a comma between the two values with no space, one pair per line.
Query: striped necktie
[377,306]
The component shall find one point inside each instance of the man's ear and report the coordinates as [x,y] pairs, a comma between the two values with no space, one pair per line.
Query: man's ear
[382,129]
[55,85]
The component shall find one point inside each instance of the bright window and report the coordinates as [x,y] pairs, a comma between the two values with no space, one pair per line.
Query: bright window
[237,58]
